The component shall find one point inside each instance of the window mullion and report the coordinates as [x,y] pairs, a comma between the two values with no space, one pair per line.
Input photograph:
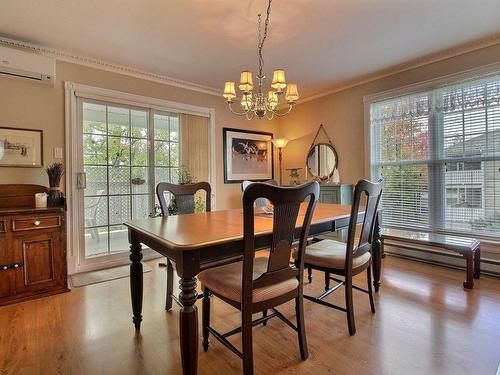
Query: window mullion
[151,159]
[436,172]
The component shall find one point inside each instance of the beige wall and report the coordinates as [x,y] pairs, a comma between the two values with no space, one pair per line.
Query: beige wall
[29,105]
[342,113]
[35,106]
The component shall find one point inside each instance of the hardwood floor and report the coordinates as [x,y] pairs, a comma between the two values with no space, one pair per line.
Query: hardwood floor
[426,323]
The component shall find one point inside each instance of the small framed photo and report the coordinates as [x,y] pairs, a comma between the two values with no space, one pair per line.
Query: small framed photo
[248,155]
[21,147]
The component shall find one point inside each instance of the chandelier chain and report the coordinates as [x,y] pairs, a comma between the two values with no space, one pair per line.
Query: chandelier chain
[263,37]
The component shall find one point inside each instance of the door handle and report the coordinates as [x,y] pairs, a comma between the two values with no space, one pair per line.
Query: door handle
[81,180]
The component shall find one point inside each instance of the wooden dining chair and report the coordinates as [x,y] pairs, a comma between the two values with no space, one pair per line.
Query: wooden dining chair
[351,258]
[260,284]
[259,202]
[185,201]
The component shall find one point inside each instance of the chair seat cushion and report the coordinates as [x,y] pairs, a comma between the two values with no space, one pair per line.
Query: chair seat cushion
[331,254]
[226,281]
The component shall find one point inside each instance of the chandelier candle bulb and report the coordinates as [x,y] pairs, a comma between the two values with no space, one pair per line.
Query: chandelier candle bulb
[246,83]
[229,91]
[246,101]
[292,93]
[279,82]
[272,100]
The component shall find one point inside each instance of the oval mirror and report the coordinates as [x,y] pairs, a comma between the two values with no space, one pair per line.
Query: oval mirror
[322,161]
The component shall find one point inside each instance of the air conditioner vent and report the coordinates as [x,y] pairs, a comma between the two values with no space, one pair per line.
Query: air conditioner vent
[29,66]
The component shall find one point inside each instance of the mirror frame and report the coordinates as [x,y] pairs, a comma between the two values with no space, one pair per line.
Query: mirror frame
[336,160]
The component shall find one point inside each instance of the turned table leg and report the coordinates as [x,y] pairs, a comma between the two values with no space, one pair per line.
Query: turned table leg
[187,269]
[377,255]
[136,279]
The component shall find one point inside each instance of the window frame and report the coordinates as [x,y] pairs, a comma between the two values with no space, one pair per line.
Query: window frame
[437,193]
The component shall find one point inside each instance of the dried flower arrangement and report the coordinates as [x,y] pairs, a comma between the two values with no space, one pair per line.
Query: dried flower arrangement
[55,172]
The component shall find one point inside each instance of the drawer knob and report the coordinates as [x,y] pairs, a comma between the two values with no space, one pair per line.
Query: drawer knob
[37,222]
[4,268]
[16,265]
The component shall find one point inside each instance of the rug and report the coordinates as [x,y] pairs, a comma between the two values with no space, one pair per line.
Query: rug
[100,276]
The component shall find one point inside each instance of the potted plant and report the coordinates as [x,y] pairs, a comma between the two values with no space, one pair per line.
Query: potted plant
[185,177]
[138,180]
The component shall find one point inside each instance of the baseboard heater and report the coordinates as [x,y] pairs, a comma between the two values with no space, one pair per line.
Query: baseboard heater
[488,266]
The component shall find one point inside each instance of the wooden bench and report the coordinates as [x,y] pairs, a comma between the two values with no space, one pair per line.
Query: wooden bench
[469,248]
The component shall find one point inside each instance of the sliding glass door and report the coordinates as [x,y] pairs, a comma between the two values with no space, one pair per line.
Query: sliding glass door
[125,152]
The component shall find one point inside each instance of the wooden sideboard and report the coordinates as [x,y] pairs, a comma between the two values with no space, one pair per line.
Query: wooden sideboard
[336,193]
[32,246]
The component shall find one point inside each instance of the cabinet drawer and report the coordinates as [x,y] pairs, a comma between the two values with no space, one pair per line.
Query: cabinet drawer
[33,223]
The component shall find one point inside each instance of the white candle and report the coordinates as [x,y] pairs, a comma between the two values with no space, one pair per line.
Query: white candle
[41,200]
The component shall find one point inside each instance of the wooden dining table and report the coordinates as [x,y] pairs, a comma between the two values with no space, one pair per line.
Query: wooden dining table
[194,239]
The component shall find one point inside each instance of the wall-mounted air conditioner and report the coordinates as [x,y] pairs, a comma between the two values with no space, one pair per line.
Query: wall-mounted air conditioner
[29,66]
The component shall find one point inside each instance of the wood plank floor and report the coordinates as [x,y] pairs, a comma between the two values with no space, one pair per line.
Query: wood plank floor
[426,323]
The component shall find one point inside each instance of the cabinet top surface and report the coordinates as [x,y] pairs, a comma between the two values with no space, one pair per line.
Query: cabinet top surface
[333,185]
[29,210]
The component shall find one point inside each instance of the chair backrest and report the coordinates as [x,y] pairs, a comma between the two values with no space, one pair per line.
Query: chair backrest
[286,202]
[184,196]
[373,192]
[259,202]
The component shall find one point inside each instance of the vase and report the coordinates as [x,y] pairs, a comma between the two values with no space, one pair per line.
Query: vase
[55,197]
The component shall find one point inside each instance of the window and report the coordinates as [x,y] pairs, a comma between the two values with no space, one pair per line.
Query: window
[464,197]
[439,154]
[122,169]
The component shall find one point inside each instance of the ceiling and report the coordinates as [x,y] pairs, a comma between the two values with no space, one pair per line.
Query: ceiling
[320,43]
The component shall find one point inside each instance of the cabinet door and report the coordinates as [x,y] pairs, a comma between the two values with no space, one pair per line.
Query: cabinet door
[6,276]
[7,283]
[39,252]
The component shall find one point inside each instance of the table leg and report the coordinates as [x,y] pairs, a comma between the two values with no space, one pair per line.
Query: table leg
[188,266]
[188,323]
[136,280]
[377,255]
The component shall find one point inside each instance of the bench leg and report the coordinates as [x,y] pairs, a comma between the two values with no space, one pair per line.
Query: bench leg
[469,280]
[477,263]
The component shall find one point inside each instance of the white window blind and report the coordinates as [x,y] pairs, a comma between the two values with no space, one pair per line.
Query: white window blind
[439,154]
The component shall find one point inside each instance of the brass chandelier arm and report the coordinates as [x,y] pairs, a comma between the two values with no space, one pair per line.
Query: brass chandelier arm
[230,104]
[290,106]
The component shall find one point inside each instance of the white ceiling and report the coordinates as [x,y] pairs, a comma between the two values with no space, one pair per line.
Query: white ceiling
[320,43]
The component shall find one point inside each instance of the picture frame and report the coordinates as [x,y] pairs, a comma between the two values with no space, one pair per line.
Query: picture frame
[21,148]
[248,155]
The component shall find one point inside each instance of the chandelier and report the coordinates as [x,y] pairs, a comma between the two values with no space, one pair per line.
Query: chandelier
[257,103]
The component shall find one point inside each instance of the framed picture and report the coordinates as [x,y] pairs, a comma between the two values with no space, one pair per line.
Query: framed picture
[248,155]
[21,147]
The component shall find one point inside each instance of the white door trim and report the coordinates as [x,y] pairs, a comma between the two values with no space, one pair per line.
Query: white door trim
[74,209]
